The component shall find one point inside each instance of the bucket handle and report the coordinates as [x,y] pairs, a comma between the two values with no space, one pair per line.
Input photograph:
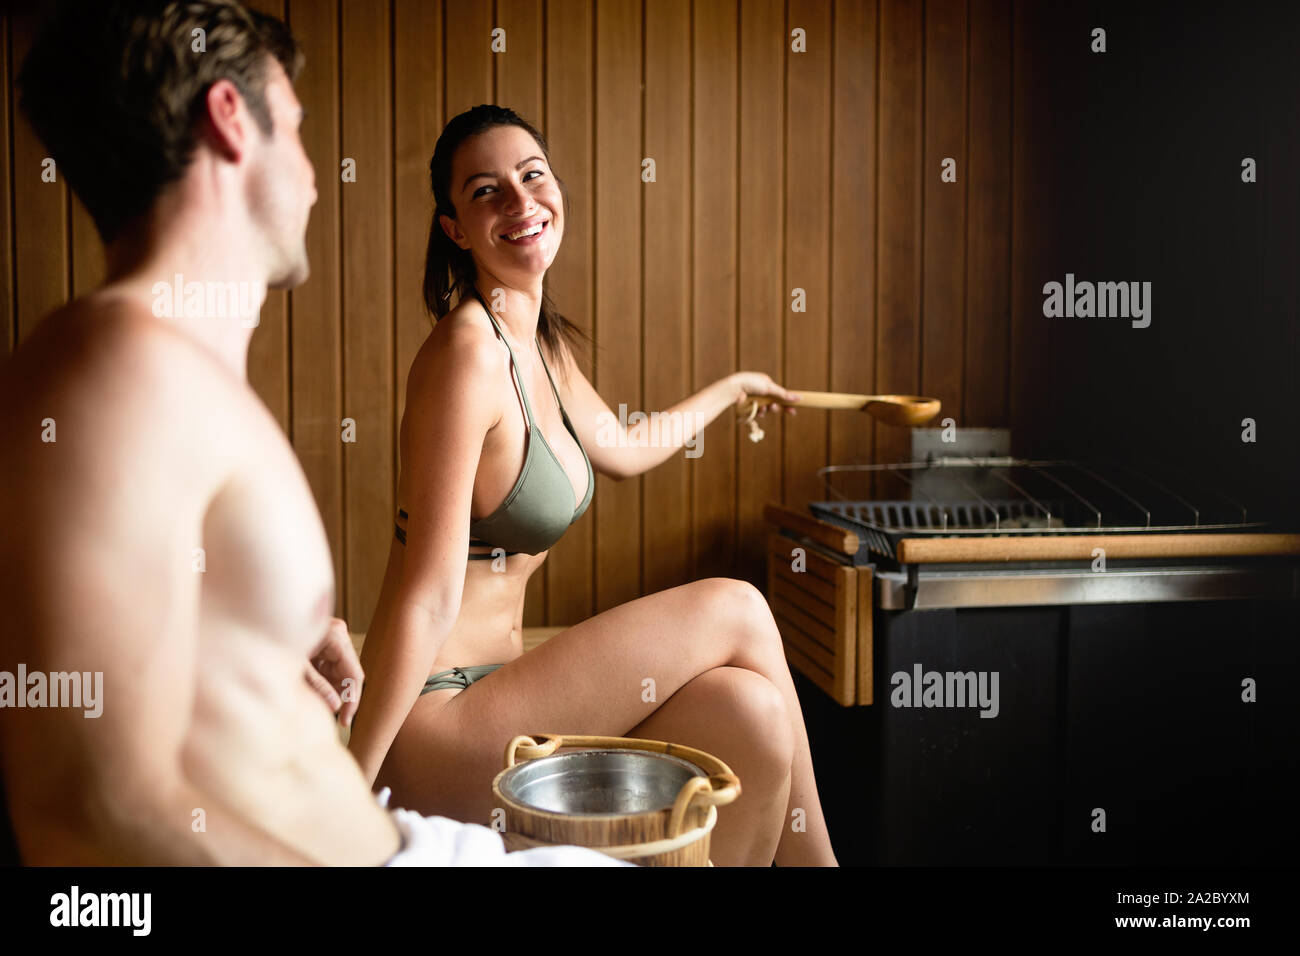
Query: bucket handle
[718,788]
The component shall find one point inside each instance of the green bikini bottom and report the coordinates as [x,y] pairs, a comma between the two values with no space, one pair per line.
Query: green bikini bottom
[458,677]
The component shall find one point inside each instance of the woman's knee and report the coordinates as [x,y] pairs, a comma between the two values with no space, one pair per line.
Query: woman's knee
[742,608]
[755,703]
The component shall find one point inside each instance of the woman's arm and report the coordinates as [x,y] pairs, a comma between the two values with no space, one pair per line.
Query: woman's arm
[623,448]
[449,411]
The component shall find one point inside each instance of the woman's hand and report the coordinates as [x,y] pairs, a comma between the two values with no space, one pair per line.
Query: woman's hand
[334,672]
[758,385]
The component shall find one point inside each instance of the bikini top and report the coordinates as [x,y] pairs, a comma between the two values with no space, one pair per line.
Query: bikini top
[539,508]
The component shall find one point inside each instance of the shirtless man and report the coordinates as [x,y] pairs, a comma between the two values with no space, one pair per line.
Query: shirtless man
[159,530]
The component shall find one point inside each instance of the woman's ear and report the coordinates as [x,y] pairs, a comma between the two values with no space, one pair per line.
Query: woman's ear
[451,229]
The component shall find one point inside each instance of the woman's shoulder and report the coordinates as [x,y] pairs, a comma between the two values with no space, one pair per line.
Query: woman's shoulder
[460,347]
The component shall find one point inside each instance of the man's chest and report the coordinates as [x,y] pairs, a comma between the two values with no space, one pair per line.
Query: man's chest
[266,559]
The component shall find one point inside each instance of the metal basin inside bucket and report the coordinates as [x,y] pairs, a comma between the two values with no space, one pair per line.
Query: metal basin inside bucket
[599,782]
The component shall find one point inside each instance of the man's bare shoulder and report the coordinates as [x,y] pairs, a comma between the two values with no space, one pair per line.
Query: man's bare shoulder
[107,368]
[94,338]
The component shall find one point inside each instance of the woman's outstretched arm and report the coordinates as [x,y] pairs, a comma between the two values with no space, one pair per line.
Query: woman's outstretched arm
[632,441]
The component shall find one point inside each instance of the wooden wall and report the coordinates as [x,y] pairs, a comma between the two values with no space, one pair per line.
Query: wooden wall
[776,170]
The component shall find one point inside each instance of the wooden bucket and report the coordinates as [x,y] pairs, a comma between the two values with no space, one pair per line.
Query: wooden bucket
[673,834]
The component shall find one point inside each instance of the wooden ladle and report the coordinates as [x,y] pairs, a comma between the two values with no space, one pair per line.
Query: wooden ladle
[901,410]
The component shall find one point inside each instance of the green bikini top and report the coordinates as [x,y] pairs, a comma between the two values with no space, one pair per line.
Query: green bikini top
[539,508]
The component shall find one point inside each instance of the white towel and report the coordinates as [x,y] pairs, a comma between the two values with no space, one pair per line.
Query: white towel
[441,841]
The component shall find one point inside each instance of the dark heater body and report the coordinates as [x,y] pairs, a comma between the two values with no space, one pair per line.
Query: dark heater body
[1100,675]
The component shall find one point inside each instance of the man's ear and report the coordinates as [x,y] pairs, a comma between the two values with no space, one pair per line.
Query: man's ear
[227,126]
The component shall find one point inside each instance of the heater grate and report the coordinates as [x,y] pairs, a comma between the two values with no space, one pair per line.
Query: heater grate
[954,496]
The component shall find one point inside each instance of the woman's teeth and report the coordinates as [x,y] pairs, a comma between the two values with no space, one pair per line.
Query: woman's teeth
[525,233]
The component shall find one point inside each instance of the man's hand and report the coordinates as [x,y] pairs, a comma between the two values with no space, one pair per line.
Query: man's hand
[335,673]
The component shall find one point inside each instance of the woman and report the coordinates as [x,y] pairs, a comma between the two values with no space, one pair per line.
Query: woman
[473,483]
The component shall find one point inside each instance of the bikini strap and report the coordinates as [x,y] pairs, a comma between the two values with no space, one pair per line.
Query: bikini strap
[514,370]
[550,379]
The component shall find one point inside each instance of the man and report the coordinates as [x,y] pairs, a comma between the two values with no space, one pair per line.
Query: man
[161,536]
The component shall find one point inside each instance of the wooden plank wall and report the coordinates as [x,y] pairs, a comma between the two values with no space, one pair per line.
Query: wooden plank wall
[776,171]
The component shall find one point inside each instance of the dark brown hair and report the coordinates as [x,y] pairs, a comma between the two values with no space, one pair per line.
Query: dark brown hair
[447,267]
[114,89]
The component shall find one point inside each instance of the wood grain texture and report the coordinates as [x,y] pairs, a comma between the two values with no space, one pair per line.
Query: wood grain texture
[619,198]
[666,296]
[570,133]
[316,351]
[367,221]
[807,249]
[518,82]
[774,170]
[268,350]
[1080,547]
[756,335]
[853,231]
[899,219]
[943,326]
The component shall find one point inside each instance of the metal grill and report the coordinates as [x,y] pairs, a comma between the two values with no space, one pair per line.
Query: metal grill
[955,496]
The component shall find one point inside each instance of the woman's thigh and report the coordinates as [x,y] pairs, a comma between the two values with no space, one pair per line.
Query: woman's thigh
[603,676]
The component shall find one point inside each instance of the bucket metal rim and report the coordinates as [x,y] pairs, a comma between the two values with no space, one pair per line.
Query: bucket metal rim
[505,776]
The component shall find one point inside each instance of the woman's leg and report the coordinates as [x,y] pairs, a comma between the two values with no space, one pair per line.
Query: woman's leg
[754,733]
[605,676]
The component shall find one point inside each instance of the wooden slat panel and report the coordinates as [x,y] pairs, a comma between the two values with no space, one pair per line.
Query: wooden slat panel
[746,333]
[317,381]
[944,231]
[6,197]
[855,239]
[807,666]
[866,691]
[667,252]
[825,645]
[847,609]
[807,243]
[467,55]
[898,269]
[813,608]
[814,586]
[417,104]
[825,569]
[569,130]
[268,350]
[814,630]
[806,635]
[618,195]
[367,125]
[40,211]
[988,230]
[853,229]
[519,74]
[519,86]
[823,532]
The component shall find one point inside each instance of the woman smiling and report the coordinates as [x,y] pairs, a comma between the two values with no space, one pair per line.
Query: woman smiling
[499,449]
